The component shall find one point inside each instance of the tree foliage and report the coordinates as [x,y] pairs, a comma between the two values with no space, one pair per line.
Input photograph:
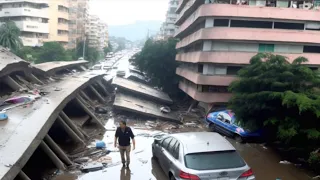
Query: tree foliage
[108,49]
[9,36]
[279,95]
[157,60]
[91,54]
[51,51]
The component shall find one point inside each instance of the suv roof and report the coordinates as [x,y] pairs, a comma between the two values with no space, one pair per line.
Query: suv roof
[196,142]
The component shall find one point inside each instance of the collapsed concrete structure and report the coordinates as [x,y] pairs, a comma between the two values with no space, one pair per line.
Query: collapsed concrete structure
[140,98]
[44,115]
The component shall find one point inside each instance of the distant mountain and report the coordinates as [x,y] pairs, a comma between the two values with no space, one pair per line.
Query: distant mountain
[136,31]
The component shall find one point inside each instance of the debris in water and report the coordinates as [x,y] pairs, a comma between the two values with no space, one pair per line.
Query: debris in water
[143,161]
[100,144]
[81,160]
[92,167]
[57,89]
[3,116]
[101,110]
[285,162]
[8,165]
[316,177]
[137,152]
[105,160]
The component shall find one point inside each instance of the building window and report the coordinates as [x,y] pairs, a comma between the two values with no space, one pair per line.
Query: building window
[221,23]
[216,89]
[266,47]
[200,68]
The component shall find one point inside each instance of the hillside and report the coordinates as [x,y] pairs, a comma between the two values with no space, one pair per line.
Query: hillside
[136,31]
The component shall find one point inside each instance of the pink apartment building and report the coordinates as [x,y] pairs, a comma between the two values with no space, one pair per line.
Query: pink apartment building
[218,37]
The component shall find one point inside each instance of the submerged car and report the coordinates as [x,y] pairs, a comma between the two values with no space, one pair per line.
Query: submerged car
[225,122]
[199,156]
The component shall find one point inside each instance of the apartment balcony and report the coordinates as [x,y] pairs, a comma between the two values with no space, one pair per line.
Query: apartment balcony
[206,97]
[28,41]
[252,10]
[64,15]
[238,58]
[257,12]
[170,15]
[62,38]
[32,26]
[251,34]
[62,26]
[24,11]
[197,78]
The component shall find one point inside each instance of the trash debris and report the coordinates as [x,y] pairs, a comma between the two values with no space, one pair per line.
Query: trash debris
[100,110]
[81,160]
[105,160]
[143,161]
[285,162]
[100,145]
[8,165]
[194,125]
[137,152]
[316,177]
[113,164]
[3,116]
[92,167]
[18,101]
[165,109]
[57,89]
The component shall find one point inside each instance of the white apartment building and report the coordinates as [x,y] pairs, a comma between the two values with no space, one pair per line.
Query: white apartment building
[97,33]
[168,27]
[30,16]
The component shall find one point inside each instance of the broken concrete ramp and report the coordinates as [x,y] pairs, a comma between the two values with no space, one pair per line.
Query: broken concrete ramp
[142,89]
[143,107]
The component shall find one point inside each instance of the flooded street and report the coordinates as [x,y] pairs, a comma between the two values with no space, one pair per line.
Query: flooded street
[264,162]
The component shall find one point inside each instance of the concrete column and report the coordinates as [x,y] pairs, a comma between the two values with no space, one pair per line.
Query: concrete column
[101,99]
[83,68]
[69,131]
[57,150]
[33,78]
[56,161]
[12,83]
[71,124]
[23,176]
[85,108]
[86,96]
[193,104]
[103,88]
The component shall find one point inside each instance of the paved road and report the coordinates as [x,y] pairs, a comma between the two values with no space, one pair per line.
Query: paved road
[264,162]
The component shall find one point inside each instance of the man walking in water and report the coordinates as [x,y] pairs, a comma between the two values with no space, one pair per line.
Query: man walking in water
[123,135]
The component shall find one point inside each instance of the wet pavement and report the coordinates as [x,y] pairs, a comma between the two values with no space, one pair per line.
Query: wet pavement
[264,162]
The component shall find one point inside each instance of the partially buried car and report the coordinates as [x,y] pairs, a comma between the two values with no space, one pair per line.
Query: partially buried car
[225,122]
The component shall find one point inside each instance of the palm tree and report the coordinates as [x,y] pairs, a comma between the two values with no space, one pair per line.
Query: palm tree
[9,36]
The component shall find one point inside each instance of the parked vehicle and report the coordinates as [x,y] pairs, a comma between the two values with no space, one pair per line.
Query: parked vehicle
[225,122]
[96,67]
[200,156]
[121,73]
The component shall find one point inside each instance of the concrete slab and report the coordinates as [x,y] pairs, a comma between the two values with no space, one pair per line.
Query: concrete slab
[9,62]
[53,67]
[22,133]
[147,108]
[142,89]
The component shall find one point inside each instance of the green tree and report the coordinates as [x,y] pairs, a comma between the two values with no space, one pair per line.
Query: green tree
[282,97]
[52,51]
[27,53]
[157,60]
[108,49]
[9,36]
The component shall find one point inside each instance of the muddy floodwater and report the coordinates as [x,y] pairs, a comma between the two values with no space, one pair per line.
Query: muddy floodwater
[263,161]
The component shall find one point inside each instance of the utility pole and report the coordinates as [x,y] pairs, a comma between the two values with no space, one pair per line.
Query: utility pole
[84,46]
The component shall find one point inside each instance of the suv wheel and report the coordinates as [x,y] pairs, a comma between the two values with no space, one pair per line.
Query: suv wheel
[172,177]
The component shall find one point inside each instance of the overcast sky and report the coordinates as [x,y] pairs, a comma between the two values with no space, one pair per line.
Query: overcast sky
[119,12]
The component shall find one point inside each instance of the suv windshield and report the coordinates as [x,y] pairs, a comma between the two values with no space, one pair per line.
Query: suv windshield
[214,160]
